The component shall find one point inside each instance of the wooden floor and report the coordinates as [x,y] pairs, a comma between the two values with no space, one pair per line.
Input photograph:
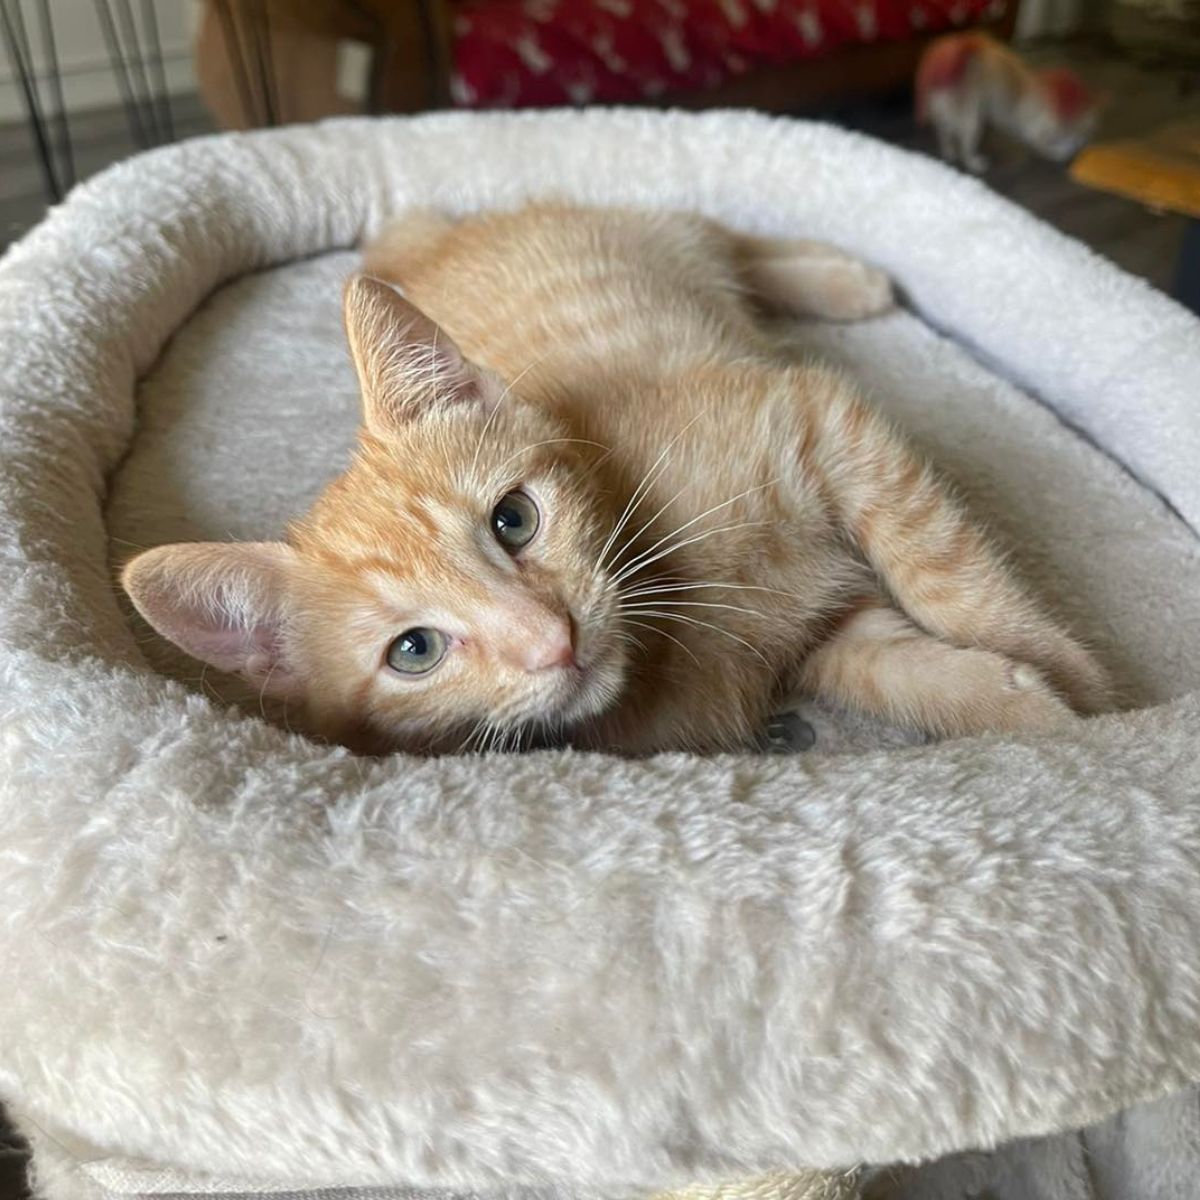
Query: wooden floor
[1143,242]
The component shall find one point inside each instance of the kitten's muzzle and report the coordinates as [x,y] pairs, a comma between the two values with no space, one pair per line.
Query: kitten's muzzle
[545,645]
[556,652]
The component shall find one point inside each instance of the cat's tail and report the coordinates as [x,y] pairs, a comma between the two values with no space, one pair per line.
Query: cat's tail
[405,244]
[812,279]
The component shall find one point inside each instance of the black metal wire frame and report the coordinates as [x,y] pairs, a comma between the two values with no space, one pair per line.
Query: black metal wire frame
[135,56]
[166,121]
[55,154]
[66,153]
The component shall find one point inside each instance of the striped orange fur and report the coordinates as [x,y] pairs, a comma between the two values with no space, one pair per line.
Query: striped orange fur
[718,527]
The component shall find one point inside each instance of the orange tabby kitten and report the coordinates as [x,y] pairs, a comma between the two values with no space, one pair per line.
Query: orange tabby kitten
[590,503]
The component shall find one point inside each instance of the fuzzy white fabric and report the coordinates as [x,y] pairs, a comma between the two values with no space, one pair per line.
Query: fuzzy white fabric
[226,947]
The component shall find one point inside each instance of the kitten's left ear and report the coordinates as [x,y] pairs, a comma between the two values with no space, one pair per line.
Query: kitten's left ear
[406,362]
[225,603]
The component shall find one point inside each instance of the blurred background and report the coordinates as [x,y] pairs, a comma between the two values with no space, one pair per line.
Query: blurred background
[86,82]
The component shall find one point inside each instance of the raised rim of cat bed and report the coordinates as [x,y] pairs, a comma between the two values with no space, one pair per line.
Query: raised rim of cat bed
[236,946]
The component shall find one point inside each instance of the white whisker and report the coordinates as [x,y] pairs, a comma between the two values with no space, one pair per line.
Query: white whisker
[434,371]
[643,562]
[707,512]
[262,708]
[695,587]
[629,541]
[638,495]
[630,639]
[551,441]
[666,616]
[630,506]
[754,612]
[492,415]
[468,743]
[669,636]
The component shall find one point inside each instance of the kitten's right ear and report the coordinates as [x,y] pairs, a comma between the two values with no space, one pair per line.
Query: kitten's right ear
[406,362]
[223,603]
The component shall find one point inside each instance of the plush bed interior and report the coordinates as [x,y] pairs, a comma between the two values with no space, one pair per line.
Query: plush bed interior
[253,406]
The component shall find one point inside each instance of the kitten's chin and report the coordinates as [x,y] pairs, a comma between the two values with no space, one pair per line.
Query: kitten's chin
[595,691]
[581,694]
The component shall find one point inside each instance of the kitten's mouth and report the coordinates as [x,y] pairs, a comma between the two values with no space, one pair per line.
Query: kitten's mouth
[574,699]
[586,689]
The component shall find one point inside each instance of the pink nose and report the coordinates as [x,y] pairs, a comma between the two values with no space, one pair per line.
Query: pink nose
[555,649]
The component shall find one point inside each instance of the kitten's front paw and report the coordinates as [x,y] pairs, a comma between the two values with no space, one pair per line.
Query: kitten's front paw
[788,732]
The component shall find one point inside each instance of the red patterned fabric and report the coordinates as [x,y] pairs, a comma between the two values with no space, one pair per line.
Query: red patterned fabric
[540,52]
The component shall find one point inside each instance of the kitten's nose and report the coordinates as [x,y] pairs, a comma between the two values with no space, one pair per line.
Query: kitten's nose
[555,649]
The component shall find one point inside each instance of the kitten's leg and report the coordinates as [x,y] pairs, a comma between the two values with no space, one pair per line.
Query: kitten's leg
[947,144]
[878,662]
[935,562]
[811,278]
[943,114]
[957,116]
[970,132]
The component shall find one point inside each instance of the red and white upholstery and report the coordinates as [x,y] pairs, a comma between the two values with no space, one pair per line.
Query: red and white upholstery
[550,52]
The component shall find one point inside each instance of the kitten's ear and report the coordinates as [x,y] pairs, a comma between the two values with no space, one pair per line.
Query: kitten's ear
[223,603]
[406,362]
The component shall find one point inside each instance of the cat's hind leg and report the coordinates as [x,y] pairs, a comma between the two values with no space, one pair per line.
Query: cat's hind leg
[811,279]
[878,662]
[935,562]
[957,118]
[967,131]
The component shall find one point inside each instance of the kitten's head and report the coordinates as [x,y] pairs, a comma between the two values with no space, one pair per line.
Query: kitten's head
[1065,114]
[448,583]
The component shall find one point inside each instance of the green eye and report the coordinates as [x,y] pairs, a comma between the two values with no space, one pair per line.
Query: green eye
[515,520]
[416,651]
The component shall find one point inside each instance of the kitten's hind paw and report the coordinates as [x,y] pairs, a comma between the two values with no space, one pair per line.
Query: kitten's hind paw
[854,291]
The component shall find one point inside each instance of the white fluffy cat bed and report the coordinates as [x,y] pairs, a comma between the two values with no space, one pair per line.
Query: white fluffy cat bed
[235,960]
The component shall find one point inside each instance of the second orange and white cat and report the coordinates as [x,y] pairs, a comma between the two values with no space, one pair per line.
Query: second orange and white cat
[590,503]
[968,81]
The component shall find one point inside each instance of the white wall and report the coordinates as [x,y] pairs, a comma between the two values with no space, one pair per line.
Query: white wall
[88,80]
